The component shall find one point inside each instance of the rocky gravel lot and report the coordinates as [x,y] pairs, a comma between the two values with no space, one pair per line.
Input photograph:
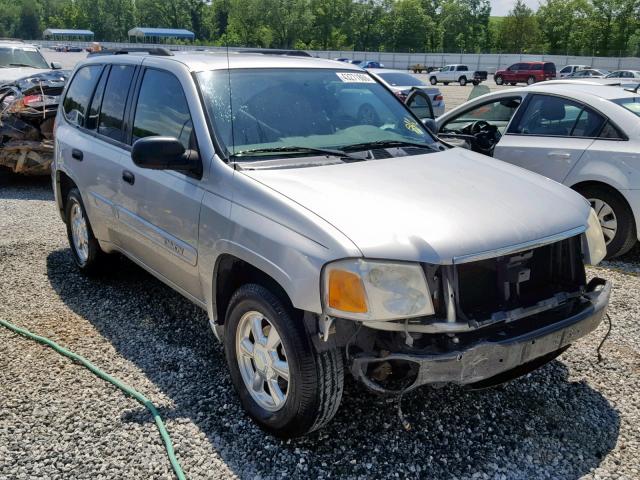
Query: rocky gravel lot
[574,418]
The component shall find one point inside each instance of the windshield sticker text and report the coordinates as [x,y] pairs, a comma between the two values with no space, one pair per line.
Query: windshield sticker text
[348,77]
[411,125]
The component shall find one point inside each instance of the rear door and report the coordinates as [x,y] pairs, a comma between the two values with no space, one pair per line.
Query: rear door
[91,162]
[549,135]
[523,72]
[159,209]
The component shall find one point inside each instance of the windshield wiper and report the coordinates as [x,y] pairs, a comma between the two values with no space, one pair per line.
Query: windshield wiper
[294,149]
[21,65]
[387,144]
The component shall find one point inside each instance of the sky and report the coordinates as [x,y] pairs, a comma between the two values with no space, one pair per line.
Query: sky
[500,8]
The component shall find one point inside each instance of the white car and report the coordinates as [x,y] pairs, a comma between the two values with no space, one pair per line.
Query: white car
[457,73]
[19,59]
[569,69]
[402,83]
[584,136]
[626,74]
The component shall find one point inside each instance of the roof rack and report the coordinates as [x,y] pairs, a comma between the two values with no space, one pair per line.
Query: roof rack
[292,53]
[160,52]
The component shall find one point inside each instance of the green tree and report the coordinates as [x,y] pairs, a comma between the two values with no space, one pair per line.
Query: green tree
[519,31]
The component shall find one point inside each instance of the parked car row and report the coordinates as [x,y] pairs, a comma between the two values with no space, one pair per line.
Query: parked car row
[325,239]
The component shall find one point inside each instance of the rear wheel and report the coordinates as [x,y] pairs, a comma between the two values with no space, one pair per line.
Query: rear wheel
[433,80]
[85,249]
[499,80]
[462,81]
[531,80]
[616,218]
[284,384]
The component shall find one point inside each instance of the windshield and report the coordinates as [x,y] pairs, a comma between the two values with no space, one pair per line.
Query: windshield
[20,57]
[632,104]
[401,79]
[271,109]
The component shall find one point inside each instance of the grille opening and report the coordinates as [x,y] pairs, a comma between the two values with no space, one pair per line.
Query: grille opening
[520,280]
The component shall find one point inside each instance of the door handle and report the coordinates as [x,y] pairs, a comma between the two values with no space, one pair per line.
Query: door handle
[559,154]
[77,154]
[128,177]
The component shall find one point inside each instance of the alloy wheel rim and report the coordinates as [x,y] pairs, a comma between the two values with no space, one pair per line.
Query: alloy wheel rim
[607,218]
[262,361]
[79,233]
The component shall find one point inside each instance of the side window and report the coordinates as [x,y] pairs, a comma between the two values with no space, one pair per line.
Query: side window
[498,113]
[162,109]
[556,116]
[536,67]
[565,70]
[76,101]
[94,110]
[462,68]
[610,132]
[114,101]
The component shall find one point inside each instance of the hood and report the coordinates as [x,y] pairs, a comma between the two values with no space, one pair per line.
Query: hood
[8,75]
[434,207]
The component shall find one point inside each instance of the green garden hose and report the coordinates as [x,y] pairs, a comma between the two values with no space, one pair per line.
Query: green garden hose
[105,376]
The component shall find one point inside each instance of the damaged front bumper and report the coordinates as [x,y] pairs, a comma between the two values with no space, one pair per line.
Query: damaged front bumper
[494,360]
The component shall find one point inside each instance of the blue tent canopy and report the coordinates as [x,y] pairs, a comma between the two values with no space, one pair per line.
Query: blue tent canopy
[63,32]
[143,32]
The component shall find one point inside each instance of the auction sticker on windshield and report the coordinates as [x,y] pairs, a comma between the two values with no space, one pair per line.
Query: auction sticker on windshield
[349,77]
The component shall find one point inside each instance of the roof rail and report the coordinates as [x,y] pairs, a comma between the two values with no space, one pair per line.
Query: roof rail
[10,39]
[161,52]
[292,53]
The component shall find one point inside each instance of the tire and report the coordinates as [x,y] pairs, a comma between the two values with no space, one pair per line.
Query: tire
[462,81]
[475,83]
[499,80]
[85,249]
[433,80]
[315,379]
[531,80]
[625,235]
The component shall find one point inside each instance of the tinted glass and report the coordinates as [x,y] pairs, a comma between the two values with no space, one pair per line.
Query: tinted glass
[76,101]
[556,116]
[313,108]
[549,67]
[114,101]
[631,103]
[21,57]
[463,68]
[611,132]
[92,118]
[162,109]
[497,113]
[566,70]
[536,67]
[397,79]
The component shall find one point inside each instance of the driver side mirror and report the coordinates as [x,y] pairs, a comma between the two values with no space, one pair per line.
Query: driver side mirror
[431,124]
[164,153]
[56,65]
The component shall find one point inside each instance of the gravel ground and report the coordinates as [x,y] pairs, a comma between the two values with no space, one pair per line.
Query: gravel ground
[574,418]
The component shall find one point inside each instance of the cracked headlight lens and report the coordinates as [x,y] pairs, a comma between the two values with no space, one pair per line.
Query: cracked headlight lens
[360,289]
[594,246]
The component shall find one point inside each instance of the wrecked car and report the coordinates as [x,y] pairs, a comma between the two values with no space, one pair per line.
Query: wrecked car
[318,240]
[28,108]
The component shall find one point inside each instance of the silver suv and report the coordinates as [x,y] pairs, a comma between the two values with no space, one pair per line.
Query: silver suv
[321,226]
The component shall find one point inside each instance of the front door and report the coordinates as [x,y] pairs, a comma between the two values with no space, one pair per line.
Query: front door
[159,209]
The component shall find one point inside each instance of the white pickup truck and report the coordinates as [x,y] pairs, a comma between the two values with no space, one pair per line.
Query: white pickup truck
[457,73]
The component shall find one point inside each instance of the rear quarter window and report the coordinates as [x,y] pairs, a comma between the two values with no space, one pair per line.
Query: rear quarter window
[79,93]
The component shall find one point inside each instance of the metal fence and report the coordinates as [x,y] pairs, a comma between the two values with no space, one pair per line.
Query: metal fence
[479,61]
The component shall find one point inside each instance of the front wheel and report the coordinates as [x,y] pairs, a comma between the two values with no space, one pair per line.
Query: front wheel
[433,80]
[462,81]
[499,80]
[284,384]
[616,219]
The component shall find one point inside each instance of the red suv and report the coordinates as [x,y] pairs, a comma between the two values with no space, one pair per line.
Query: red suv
[527,72]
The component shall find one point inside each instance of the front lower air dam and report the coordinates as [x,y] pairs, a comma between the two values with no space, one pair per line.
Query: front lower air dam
[168,445]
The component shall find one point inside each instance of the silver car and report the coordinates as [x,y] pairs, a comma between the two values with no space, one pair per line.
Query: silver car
[320,243]
[402,84]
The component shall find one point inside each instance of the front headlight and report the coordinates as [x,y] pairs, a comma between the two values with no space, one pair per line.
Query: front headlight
[594,246]
[375,290]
